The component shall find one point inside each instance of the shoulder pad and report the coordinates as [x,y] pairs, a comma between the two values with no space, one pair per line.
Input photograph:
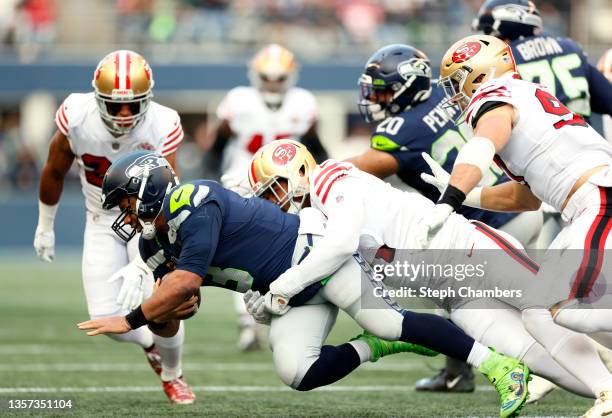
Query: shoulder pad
[180,203]
[71,112]
[324,176]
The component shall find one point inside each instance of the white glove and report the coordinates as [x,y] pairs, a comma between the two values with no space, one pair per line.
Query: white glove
[276,304]
[440,176]
[254,303]
[429,225]
[44,244]
[44,237]
[132,290]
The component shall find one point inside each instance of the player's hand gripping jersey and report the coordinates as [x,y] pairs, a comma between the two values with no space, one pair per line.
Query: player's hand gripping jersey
[229,241]
[255,124]
[95,148]
[550,147]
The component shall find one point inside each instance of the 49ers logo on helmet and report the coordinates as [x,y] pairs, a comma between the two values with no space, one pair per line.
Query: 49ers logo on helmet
[466,51]
[284,153]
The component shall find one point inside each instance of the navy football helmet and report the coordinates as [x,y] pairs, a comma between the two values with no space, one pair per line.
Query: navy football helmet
[146,176]
[508,19]
[396,78]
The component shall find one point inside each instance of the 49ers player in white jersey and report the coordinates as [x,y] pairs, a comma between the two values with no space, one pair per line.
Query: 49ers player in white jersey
[95,129]
[271,108]
[605,66]
[353,201]
[554,157]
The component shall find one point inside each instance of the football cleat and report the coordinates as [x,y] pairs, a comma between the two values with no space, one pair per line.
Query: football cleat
[178,392]
[154,359]
[381,348]
[538,389]
[445,382]
[509,377]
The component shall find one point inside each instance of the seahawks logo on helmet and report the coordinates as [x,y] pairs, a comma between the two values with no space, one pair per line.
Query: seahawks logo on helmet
[414,67]
[151,160]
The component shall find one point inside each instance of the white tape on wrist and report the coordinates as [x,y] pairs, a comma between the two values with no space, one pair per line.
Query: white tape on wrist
[478,151]
[46,215]
[473,198]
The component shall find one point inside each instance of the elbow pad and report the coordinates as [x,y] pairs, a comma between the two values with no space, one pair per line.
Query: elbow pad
[478,151]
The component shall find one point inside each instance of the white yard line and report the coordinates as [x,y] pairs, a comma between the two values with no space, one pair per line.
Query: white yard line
[121,389]
[220,366]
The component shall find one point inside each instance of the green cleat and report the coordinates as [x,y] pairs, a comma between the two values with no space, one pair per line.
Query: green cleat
[510,377]
[381,348]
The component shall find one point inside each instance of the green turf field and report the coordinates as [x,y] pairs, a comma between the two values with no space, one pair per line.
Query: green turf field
[44,356]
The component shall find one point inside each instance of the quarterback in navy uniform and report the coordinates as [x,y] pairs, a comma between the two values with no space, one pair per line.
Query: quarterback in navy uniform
[200,224]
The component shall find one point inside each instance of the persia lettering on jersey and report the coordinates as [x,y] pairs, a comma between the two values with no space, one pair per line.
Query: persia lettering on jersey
[538,48]
[437,118]
[330,171]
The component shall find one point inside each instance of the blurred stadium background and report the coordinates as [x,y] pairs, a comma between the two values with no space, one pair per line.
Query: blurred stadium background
[199,49]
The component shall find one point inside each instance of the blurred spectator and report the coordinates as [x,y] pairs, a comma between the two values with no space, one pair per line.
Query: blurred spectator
[203,20]
[134,18]
[19,162]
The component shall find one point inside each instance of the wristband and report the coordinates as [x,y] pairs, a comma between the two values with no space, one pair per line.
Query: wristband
[473,198]
[46,215]
[453,197]
[136,318]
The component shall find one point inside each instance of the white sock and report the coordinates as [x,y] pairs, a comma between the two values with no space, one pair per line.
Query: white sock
[363,350]
[170,350]
[478,355]
[587,321]
[573,351]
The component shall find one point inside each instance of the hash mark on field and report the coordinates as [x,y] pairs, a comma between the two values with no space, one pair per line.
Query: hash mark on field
[196,367]
[119,389]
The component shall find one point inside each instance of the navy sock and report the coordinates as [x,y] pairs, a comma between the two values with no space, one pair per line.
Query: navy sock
[436,333]
[333,364]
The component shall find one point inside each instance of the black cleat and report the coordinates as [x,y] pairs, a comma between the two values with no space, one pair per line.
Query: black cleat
[444,382]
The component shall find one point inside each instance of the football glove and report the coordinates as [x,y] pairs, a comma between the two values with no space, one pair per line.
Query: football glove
[44,244]
[276,304]
[254,303]
[429,225]
[440,176]
[132,289]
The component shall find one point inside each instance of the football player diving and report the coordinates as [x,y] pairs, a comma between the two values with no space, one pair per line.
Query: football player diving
[352,201]
[215,237]
[556,62]
[553,156]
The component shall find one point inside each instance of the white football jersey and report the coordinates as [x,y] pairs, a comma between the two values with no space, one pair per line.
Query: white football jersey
[550,147]
[95,148]
[255,124]
[389,213]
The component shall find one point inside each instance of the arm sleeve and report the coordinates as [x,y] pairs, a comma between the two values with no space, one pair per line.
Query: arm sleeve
[600,90]
[199,235]
[345,208]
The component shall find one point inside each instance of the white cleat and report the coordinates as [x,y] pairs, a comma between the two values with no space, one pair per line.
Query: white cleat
[539,388]
[602,407]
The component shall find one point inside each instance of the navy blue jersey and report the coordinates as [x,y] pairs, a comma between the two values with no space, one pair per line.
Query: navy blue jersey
[561,65]
[427,128]
[229,241]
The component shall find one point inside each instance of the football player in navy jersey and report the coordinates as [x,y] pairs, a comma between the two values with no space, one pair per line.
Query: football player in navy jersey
[559,63]
[397,92]
[250,242]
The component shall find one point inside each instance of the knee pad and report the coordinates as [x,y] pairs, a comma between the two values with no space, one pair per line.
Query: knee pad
[290,365]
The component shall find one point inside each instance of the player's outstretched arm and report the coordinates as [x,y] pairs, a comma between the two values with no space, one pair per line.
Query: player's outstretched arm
[177,287]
